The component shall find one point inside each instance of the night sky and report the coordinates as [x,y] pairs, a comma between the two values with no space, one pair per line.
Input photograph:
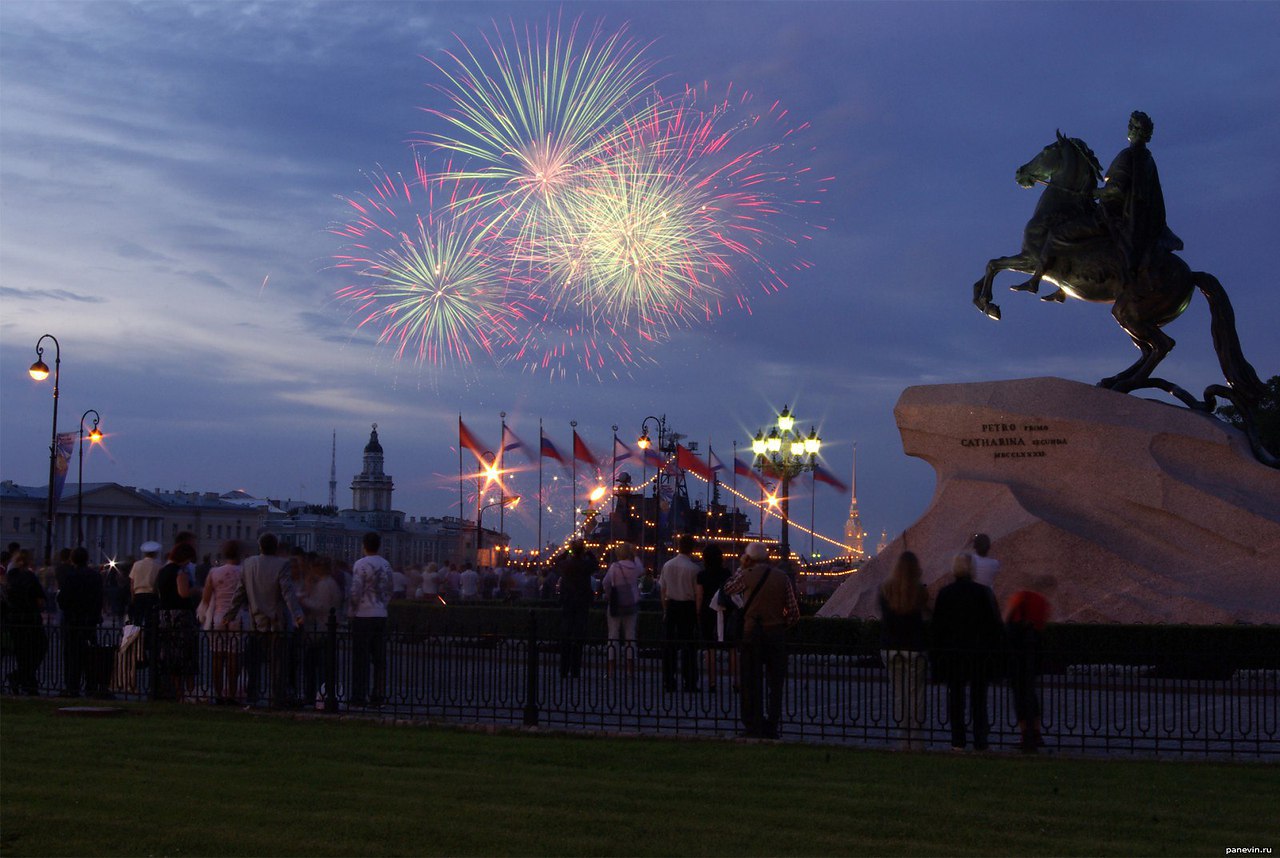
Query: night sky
[169,173]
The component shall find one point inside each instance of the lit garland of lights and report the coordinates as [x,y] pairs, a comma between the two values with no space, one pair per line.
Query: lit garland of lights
[594,513]
[764,511]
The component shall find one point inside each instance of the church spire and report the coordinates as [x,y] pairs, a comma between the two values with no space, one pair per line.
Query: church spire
[853,532]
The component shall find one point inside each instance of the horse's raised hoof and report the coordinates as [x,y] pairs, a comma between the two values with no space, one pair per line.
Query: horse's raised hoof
[992,311]
[1056,297]
[1030,286]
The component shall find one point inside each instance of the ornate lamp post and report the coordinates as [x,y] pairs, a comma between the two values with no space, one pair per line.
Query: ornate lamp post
[95,435]
[502,501]
[785,453]
[488,473]
[644,443]
[40,371]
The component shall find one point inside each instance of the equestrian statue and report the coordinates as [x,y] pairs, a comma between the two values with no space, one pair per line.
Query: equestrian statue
[1109,243]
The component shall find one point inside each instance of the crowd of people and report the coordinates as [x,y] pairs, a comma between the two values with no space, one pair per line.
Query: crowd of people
[961,641]
[265,615]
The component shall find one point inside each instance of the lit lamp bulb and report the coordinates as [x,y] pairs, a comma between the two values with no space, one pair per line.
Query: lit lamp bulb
[95,436]
[785,421]
[39,370]
[813,443]
[758,445]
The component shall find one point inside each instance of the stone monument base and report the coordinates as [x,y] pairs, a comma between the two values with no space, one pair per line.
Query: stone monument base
[1117,508]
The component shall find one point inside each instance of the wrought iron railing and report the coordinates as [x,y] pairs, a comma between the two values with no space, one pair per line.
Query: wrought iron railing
[1107,703]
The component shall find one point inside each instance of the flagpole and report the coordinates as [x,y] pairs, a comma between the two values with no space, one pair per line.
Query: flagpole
[574,425]
[541,500]
[735,495]
[615,452]
[813,495]
[502,490]
[706,519]
[461,500]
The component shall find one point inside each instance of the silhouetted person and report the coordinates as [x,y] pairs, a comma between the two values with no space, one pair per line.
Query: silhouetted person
[968,640]
[576,594]
[80,598]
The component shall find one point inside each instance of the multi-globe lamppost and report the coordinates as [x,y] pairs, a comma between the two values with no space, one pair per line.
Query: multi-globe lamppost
[784,453]
[95,435]
[40,371]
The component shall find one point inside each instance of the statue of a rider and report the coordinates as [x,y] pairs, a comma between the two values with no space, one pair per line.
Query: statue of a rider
[1132,202]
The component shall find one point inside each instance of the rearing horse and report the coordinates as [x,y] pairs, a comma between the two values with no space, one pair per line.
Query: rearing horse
[1066,243]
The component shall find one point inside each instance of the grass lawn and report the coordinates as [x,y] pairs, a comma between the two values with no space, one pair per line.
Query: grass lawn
[183,780]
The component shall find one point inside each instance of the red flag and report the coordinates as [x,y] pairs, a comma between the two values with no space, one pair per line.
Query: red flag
[822,475]
[467,439]
[689,461]
[580,451]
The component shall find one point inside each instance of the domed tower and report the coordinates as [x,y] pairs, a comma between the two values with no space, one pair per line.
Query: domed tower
[371,490]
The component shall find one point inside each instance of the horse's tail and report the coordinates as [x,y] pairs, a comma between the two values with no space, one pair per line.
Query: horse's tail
[1238,372]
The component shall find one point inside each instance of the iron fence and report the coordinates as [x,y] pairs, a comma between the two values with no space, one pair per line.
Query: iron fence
[1105,703]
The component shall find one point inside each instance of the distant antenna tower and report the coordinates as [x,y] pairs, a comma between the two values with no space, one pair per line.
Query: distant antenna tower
[333,472]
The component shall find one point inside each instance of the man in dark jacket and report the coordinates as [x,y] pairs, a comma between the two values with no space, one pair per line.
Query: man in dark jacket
[25,600]
[80,598]
[968,642]
[576,594]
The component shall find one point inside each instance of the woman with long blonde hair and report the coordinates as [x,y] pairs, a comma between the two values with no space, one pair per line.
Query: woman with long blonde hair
[903,603]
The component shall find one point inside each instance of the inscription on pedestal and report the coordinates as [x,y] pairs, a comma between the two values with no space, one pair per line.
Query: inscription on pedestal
[1015,440]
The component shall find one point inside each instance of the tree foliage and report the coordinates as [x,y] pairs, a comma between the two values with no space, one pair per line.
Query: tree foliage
[1266,416]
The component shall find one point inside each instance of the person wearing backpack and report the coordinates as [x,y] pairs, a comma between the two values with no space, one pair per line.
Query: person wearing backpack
[770,609]
[621,587]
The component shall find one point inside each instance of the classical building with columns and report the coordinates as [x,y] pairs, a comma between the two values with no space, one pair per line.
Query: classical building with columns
[117,519]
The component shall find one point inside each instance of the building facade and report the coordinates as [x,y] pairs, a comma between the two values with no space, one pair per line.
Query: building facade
[117,519]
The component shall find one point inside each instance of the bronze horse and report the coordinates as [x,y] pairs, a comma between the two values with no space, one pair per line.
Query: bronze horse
[1068,244]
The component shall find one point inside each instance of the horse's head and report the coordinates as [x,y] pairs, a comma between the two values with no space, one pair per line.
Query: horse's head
[1067,162]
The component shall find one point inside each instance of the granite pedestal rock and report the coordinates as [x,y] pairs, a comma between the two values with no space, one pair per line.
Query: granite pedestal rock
[1117,508]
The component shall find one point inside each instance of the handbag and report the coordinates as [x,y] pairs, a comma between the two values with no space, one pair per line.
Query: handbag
[621,597]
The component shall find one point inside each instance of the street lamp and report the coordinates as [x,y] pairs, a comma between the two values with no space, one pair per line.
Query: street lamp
[644,443]
[502,501]
[40,371]
[95,435]
[785,453]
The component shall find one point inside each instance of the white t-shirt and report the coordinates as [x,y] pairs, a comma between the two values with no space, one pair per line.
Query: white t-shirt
[370,587]
[469,584]
[985,570]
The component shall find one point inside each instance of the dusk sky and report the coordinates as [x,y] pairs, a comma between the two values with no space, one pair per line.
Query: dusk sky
[169,174]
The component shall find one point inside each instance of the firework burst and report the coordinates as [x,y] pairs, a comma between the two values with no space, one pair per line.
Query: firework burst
[424,275]
[532,114]
[583,217]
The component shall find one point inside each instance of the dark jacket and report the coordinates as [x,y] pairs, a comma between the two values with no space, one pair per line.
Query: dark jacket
[576,589]
[968,634]
[80,597]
